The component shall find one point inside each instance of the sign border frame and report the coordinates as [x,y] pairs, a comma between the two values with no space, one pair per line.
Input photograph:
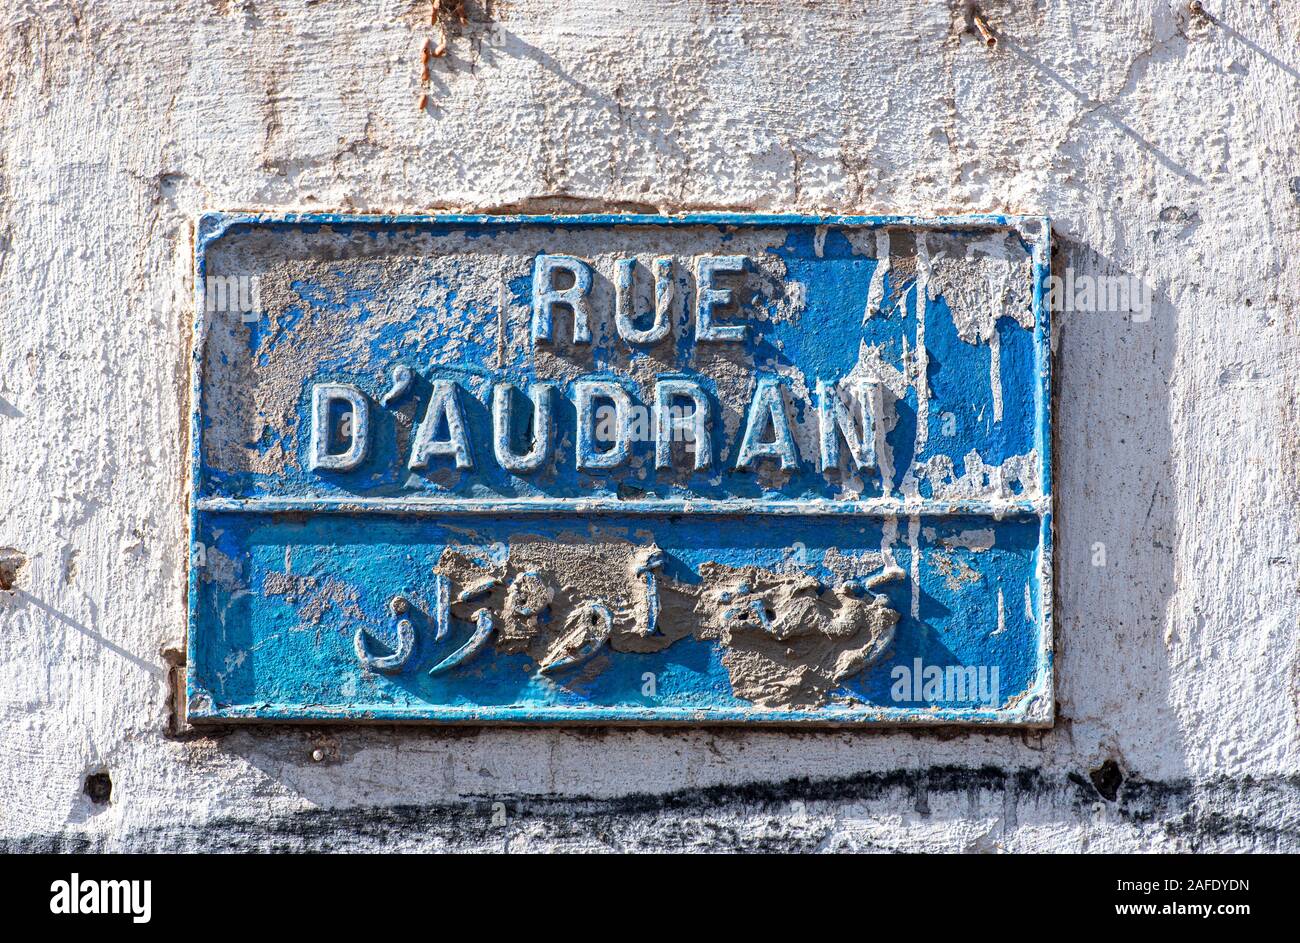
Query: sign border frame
[1034,709]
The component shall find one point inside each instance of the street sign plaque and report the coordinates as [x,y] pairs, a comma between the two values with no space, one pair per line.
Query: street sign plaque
[621,469]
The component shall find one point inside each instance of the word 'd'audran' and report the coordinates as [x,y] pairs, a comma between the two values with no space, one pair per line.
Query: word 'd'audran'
[680,410]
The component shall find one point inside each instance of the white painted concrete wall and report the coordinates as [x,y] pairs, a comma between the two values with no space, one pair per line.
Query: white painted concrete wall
[1163,144]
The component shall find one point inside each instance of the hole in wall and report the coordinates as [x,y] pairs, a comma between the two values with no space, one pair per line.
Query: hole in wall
[11,564]
[98,787]
[1106,779]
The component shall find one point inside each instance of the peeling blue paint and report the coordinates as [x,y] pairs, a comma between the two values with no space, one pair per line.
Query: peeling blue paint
[298,561]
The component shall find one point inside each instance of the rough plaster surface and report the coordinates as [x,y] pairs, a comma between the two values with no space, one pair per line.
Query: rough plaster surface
[1162,143]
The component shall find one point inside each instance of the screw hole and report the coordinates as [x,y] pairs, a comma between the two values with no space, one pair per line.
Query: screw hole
[99,787]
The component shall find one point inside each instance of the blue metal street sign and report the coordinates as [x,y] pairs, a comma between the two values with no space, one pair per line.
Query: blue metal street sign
[704,469]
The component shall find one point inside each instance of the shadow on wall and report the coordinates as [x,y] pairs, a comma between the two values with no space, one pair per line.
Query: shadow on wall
[1115,511]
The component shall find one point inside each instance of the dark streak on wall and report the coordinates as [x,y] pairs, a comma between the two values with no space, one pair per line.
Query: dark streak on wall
[1190,815]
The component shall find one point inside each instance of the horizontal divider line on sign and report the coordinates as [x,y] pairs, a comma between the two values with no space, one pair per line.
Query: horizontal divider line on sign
[872,507]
